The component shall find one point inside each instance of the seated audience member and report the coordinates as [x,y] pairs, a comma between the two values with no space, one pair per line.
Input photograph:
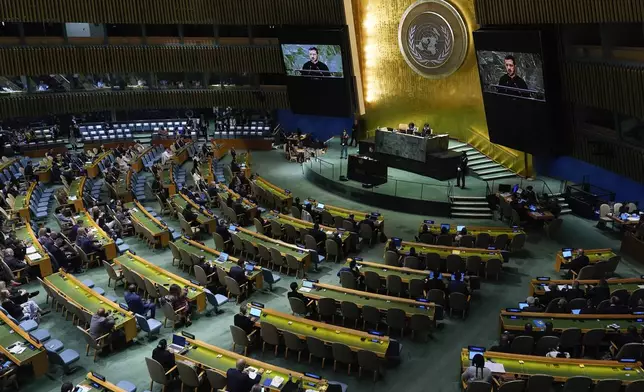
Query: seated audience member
[630,336]
[163,356]
[457,238]
[503,346]
[577,263]
[122,216]
[238,379]
[527,331]
[574,292]
[477,372]
[318,235]
[65,257]
[190,216]
[640,306]
[436,282]
[222,230]
[27,309]
[242,321]
[102,324]
[367,221]
[444,230]
[533,305]
[589,308]
[296,294]
[616,307]
[12,262]
[43,238]
[238,272]
[137,304]
[306,213]
[529,194]
[599,292]
[178,298]
[552,294]
[561,307]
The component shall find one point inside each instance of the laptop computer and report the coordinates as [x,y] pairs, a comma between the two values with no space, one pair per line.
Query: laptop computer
[178,344]
[575,311]
[532,207]
[397,241]
[249,267]
[255,313]
[523,305]
[307,283]
[515,188]
[445,225]
[223,257]
[473,350]
[459,228]
[566,253]
[320,206]
[232,228]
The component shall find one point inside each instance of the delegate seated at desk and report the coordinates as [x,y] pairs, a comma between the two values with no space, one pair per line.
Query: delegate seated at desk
[101,324]
[242,321]
[190,216]
[578,263]
[238,379]
[163,356]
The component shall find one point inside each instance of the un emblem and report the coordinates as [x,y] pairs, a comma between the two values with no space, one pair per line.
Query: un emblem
[433,38]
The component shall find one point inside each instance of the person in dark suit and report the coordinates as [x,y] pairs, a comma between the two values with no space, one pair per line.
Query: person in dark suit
[318,234]
[503,346]
[436,282]
[589,308]
[533,305]
[222,230]
[238,379]
[574,292]
[456,286]
[237,272]
[616,307]
[578,262]
[599,293]
[163,356]
[296,294]
[190,216]
[242,321]
[631,336]
[461,170]
[529,194]
[554,293]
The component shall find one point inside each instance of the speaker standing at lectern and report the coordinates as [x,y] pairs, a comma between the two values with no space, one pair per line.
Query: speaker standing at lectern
[426,130]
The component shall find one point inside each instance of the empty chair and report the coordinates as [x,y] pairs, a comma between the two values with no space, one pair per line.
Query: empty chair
[578,384]
[437,296]
[395,320]
[317,348]
[454,263]
[368,360]
[444,240]
[64,359]
[298,306]
[394,285]
[482,241]
[608,386]
[473,265]
[217,380]
[157,373]
[635,386]
[466,241]
[591,341]
[411,262]
[433,261]
[292,342]
[586,273]
[241,338]
[350,311]
[151,326]
[458,302]
[371,315]
[630,351]
[372,281]
[570,340]
[501,241]
[522,345]
[391,258]
[539,383]
[417,288]
[189,376]
[420,323]
[270,335]
[493,268]
[512,386]
[343,354]
[270,278]
[545,344]
[347,280]
[332,250]
[327,308]
[479,386]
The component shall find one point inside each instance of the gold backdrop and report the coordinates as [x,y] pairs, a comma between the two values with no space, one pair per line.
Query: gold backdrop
[395,94]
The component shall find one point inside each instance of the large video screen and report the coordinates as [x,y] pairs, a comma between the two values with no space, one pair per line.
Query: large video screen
[317,61]
[514,74]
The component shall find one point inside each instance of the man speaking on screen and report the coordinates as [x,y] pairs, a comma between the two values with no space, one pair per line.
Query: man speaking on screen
[314,67]
[511,79]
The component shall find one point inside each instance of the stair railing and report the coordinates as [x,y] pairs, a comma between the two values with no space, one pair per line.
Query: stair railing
[504,156]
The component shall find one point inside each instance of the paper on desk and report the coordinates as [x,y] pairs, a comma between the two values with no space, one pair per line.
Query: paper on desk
[495,367]
[252,375]
[73,198]
[564,286]
[305,289]
[34,257]
[31,249]
[277,381]
[640,286]
[83,388]
[546,289]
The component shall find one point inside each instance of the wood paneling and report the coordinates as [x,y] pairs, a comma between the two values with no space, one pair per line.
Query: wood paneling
[226,12]
[617,157]
[41,104]
[111,59]
[611,86]
[499,12]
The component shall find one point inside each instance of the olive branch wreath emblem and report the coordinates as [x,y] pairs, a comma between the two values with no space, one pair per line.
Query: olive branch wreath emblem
[442,56]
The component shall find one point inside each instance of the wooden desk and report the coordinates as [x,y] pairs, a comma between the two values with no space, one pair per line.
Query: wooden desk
[516,321]
[11,333]
[211,255]
[205,167]
[105,240]
[206,219]
[302,255]
[594,255]
[629,284]
[633,247]
[219,150]
[561,369]
[137,161]
[542,215]
[157,229]
[249,207]
[181,155]
[167,180]
[444,251]
[21,203]
[121,188]
[211,357]
[89,300]
[43,171]
[43,263]
[304,226]
[362,298]
[328,333]
[75,195]
[345,212]
[493,231]
[282,197]
[91,383]
[92,168]
[162,277]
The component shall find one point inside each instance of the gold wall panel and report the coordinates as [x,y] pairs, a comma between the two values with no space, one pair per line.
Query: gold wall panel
[395,94]
[107,59]
[44,104]
[228,12]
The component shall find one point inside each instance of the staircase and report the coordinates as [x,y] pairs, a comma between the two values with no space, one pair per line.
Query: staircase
[472,207]
[9,84]
[561,201]
[479,164]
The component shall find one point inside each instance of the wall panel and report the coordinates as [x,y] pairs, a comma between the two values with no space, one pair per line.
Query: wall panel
[501,12]
[611,86]
[619,158]
[41,104]
[107,59]
[230,12]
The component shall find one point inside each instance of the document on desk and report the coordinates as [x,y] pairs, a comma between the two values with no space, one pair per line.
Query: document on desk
[73,198]
[34,257]
[640,286]
[546,288]
[277,381]
[31,249]
[305,289]
[495,367]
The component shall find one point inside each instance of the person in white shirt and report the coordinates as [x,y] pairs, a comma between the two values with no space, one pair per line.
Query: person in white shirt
[477,372]
[166,156]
